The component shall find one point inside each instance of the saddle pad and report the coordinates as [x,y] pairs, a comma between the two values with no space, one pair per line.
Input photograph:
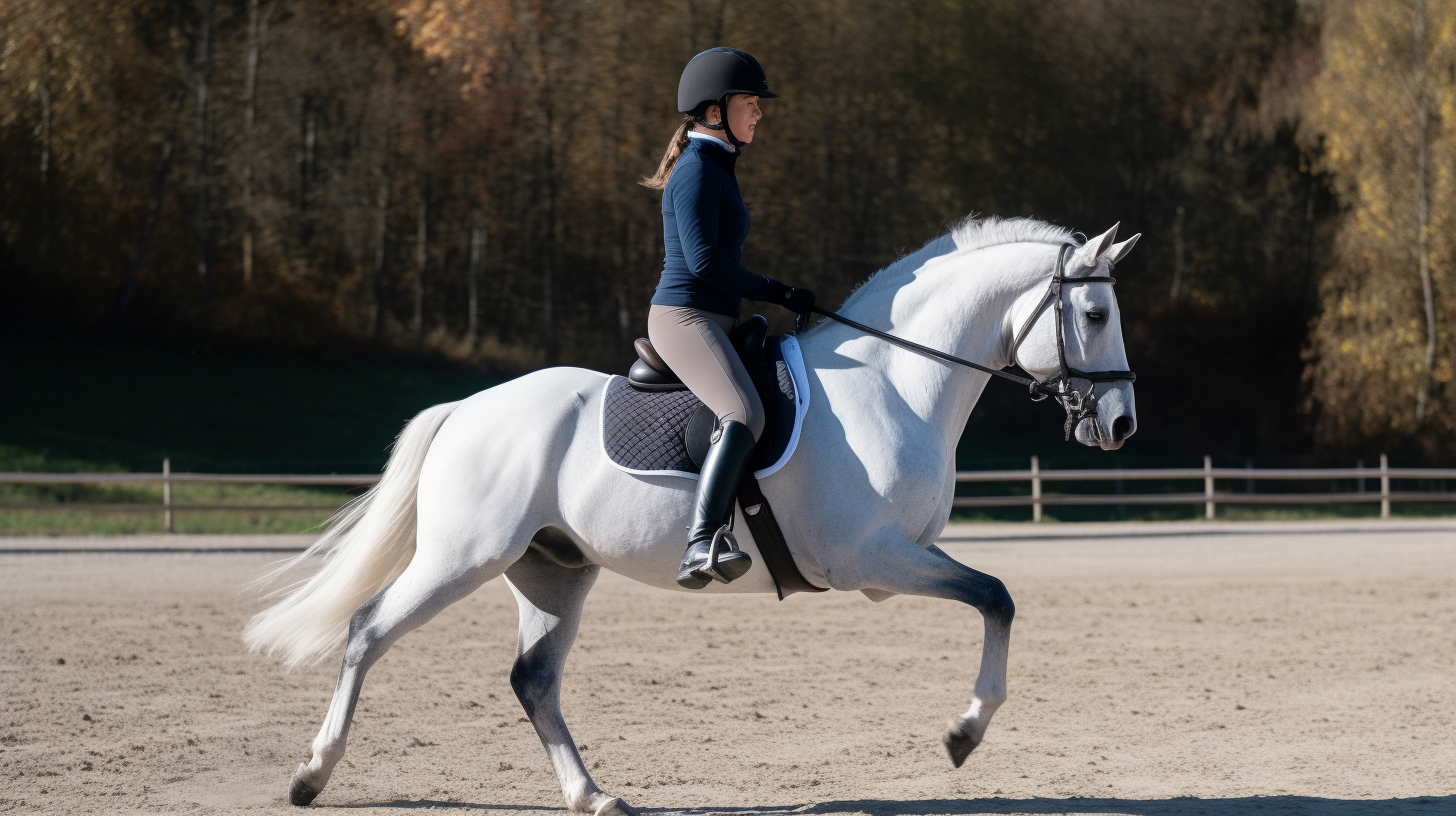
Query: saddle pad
[642,431]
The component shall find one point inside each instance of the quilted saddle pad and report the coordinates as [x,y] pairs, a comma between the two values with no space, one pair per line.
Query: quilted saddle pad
[647,433]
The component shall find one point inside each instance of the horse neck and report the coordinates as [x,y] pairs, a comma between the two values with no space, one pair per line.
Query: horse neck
[967,305]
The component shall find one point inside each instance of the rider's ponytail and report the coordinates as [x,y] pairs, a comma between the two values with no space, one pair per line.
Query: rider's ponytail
[658,180]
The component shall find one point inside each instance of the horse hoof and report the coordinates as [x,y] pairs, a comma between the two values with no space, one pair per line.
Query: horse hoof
[959,745]
[300,793]
[615,807]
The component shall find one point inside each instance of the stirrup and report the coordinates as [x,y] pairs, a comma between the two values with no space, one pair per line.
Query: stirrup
[725,563]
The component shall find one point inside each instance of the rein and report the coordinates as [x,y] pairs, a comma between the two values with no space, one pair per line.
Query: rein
[1078,405]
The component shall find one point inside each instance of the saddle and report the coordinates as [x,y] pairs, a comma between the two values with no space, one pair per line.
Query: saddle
[652,424]
[650,373]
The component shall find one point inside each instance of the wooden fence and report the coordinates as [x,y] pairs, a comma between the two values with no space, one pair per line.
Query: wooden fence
[167,478]
[1209,497]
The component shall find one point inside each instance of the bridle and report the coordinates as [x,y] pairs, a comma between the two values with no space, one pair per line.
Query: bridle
[1079,405]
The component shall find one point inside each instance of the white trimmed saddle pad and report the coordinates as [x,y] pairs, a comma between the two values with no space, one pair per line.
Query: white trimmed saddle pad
[647,433]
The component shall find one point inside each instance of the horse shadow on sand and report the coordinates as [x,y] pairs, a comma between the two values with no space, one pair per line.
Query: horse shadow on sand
[1181,806]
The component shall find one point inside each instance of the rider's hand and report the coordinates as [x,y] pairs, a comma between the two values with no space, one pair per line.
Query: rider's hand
[795,300]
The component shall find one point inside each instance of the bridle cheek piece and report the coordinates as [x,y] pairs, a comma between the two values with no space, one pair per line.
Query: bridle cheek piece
[1079,405]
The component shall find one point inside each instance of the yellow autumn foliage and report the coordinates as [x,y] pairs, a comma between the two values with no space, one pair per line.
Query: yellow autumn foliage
[1384,105]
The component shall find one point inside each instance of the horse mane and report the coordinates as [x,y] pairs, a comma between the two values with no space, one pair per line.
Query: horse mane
[968,235]
[978,233]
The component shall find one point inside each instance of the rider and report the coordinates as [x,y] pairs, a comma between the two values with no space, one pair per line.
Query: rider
[704,222]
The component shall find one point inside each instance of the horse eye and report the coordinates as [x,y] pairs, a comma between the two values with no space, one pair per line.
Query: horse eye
[1096,315]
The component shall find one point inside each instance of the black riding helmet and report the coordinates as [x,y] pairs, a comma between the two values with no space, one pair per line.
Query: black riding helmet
[712,76]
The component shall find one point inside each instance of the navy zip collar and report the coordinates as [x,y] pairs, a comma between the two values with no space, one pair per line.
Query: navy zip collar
[725,157]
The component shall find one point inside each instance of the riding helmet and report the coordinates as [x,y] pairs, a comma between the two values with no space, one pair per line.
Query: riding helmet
[717,72]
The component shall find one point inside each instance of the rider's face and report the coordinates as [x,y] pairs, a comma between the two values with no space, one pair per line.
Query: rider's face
[743,116]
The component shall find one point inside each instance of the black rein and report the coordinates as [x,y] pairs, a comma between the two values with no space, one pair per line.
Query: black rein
[1079,406]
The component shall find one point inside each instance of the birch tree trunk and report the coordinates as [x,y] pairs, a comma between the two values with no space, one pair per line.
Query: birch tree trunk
[203,60]
[43,93]
[1178,253]
[307,141]
[1420,100]
[258,18]
[529,14]
[472,280]
[376,278]
[421,259]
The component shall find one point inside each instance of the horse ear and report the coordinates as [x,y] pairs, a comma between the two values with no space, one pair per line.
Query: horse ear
[1091,251]
[1119,251]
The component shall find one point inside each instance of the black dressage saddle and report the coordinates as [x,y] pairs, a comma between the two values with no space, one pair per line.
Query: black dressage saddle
[650,373]
[652,422]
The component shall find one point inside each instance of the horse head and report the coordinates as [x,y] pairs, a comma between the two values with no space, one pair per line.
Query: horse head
[1086,361]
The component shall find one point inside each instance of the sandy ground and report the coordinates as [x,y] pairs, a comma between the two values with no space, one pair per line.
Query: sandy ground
[1305,669]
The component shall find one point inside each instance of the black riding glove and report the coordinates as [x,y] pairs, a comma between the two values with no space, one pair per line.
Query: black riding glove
[795,300]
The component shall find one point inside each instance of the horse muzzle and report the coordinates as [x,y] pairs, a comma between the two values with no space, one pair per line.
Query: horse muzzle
[1111,420]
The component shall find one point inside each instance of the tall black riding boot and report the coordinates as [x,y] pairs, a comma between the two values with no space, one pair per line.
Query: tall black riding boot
[713,554]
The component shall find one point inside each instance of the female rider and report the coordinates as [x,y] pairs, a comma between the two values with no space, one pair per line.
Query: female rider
[696,303]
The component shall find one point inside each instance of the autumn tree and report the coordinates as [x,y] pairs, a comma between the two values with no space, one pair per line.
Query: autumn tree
[1381,117]
[457,179]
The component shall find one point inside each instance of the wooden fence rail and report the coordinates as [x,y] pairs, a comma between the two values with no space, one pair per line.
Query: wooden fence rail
[1209,497]
[166,478]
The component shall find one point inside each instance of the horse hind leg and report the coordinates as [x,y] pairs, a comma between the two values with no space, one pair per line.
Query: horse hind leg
[550,597]
[425,588]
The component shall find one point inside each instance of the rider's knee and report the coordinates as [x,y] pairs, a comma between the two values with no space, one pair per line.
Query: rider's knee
[748,414]
[755,422]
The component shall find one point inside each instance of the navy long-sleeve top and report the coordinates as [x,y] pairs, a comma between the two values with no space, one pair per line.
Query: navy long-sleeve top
[704,223]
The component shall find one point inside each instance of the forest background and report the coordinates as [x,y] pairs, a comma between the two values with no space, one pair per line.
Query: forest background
[454,180]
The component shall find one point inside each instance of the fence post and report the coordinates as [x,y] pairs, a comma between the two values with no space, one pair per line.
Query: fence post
[167,494]
[1208,487]
[1035,490]
[1384,487]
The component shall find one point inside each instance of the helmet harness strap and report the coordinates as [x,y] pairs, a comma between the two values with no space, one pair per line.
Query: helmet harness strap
[722,123]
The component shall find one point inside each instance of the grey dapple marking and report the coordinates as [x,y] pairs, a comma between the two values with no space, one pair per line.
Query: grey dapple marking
[513,481]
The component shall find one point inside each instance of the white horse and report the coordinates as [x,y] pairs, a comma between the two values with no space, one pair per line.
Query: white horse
[514,481]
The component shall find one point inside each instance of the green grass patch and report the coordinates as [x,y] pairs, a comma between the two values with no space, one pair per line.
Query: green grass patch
[116,509]
[115,405]
[82,403]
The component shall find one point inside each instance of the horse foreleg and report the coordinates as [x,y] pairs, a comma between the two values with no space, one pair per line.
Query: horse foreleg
[420,592]
[550,598]
[903,567]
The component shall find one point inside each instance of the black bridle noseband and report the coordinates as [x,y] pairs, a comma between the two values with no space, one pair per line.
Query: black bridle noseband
[1078,405]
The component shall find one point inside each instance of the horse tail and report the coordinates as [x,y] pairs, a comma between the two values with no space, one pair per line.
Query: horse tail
[368,544]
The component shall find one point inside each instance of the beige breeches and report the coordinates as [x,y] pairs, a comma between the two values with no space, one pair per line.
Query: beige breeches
[695,344]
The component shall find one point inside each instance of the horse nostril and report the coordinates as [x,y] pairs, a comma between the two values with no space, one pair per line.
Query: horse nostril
[1121,428]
